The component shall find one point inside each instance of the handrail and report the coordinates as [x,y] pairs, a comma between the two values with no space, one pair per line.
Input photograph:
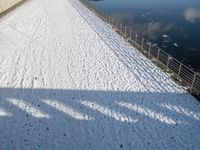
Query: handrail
[172,65]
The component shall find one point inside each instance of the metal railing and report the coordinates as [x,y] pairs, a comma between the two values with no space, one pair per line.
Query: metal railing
[178,71]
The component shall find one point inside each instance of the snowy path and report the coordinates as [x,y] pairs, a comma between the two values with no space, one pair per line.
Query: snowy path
[68,81]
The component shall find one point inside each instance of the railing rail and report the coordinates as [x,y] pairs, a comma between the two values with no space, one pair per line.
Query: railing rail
[183,74]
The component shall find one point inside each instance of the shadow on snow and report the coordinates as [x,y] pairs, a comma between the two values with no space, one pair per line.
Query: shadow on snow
[61,117]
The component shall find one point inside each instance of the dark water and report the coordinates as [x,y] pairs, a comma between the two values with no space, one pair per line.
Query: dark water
[173,24]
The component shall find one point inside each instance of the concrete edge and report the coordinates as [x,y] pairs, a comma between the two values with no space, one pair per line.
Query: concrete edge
[12,7]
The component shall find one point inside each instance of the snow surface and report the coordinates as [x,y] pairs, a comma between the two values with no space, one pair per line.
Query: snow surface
[69,81]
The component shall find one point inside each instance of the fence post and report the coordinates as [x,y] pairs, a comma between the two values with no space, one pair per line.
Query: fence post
[149,53]
[130,34]
[114,22]
[179,70]
[142,43]
[117,25]
[101,14]
[136,36]
[99,11]
[193,81]
[158,55]
[125,30]
[168,59]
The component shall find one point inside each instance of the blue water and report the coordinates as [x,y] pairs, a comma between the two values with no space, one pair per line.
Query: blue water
[173,24]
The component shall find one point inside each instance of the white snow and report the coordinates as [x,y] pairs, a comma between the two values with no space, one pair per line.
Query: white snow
[3,113]
[28,108]
[67,110]
[69,81]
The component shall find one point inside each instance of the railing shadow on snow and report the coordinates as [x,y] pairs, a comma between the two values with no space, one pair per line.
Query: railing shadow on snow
[46,115]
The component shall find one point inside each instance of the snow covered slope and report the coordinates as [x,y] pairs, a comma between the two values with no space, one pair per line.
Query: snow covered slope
[68,81]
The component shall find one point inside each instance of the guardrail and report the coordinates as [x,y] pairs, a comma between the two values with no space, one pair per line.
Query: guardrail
[180,72]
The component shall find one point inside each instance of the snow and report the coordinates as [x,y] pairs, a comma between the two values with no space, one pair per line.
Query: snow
[69,81]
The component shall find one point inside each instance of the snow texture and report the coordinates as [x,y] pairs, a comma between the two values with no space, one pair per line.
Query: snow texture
[69,81]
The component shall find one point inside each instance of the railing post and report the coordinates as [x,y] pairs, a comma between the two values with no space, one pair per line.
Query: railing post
[99,11]
[142,43]
[117,22]
[125,30]
[136,36]
[179,70]
[168,59]
[121,28]
[193,81]
[101,14]
[149,53]
[117,25]
[130,34]
[158,55]
[114,22]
